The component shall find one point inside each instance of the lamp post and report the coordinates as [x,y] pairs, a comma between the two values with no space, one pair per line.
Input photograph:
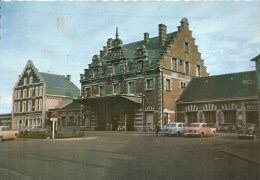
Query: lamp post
[257,63]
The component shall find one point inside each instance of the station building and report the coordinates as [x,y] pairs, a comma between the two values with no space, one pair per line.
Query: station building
[136,85]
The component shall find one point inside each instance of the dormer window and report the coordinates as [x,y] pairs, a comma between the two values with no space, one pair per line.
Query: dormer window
[25,81]
[95,73]
[88,92]
[116,68]
[31,80]
[139,65]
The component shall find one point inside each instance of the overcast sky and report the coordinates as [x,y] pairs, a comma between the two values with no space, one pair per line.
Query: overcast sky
[62,37]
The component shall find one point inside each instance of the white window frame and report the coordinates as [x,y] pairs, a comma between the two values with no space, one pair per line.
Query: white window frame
[129,87]
[31,80]
[146,83]
[24,106]
[174,64]
[40,104]
[117,89]
[25,81]
[168,87]
[36,105]
[24,93]
[40,90]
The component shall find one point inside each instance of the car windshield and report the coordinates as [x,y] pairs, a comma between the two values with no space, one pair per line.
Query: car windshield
[195,125]
[171,125]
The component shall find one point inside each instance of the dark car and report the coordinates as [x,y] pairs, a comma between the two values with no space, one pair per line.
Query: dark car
[247,131]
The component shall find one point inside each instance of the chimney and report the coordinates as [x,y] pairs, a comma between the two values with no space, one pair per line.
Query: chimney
[68,78]
[185,22]
[146,37]
[162,34]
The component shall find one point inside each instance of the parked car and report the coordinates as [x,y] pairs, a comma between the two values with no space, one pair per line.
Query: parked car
[213,127]
[199,129]
[174,129]
[34,130]
[247,131]
[227,127]
[7,133]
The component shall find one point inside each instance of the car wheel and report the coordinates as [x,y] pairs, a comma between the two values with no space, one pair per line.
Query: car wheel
[201,134]
[254,136]
[15,136]
[178,134]
[1,138]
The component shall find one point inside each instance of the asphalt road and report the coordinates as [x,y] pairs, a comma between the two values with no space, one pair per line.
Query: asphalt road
[119,156]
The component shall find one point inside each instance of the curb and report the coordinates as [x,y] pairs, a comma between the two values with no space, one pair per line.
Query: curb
[238,156]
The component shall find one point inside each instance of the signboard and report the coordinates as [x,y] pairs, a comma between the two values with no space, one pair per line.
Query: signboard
[54,116]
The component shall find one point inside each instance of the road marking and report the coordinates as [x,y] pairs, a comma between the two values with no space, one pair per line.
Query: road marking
[17,174]
[74,139]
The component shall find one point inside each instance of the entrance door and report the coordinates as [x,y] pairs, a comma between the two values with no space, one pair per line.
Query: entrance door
[149,120]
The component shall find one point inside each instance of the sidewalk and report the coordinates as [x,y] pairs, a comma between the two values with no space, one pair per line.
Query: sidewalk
[248,150]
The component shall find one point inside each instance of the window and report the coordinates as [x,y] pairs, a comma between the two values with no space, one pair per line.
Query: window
[40,104]
[139,65]
[149,84]
[30,93]
[37,91]
[183,84]
[24,106]
[101,90]
[36,105]
[186,47]
[25,81]
[230,116]
[31,80]
[25,93]
[192,117]
[95,73]
[116,88]
[19,94]
[187,67]
[197,70]
[168,84]
[174,64]
[131,87]
[15,94]
[15,107]
[210,116]
[29,106]
[88,92]
[40,91]
[19,107]
[116,68]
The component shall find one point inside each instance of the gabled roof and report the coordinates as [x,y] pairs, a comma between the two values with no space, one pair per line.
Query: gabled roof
[152,46]
[71,106]
[220,87]
[59,85]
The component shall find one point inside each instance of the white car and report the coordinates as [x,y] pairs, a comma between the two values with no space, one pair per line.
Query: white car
[199,129]
[174,129]
[7,133]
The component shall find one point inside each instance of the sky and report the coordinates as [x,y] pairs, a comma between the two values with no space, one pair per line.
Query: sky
[62,37]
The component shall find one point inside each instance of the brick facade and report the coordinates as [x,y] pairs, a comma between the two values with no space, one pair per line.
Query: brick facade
[136,85]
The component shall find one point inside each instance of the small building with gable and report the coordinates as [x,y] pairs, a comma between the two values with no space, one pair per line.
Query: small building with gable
[36,92]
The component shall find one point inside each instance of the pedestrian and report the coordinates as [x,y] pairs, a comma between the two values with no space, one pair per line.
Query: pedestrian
[157,129]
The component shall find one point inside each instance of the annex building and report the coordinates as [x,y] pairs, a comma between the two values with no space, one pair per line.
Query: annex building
[220,99]
[136,85]
[35,93]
